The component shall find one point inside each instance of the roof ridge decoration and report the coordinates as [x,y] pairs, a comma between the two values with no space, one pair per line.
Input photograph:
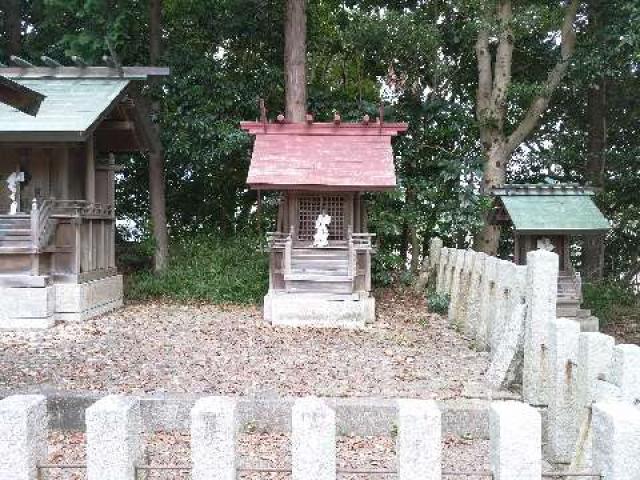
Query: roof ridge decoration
[542,189]
[323,128]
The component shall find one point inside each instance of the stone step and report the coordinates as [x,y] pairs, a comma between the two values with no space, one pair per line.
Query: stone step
[5,231]
[319,287]
[317,277]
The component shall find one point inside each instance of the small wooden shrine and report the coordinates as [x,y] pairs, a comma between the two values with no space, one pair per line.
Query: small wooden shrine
[549,216]
[320,253]
[57,170]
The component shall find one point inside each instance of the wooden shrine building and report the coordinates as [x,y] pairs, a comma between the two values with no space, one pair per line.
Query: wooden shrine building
[57,169]
[551,216]
[320,253]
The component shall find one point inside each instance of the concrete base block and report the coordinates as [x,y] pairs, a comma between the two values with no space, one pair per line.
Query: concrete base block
[78,302]
[27,308]
[319,311]
[40,307]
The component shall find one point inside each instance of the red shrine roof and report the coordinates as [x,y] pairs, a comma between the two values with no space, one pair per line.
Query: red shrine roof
[324,156]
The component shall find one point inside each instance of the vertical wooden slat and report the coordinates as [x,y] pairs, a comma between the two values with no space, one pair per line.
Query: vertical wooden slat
[90,174]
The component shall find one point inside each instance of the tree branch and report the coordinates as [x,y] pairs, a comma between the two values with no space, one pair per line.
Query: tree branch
[555,76]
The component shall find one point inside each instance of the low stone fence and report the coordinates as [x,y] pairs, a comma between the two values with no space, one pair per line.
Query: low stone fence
[510,310]
[114,448]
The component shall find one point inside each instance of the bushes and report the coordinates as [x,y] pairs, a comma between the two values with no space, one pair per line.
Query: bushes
[207,269]
[609,300]
[438,302]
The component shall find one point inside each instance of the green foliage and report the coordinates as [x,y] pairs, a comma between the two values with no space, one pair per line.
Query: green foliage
[438,302]
[206,268]
[610,301]
[225,54]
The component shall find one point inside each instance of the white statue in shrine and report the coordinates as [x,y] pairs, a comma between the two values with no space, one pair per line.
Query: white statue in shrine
[546,244]
[12,184]
[321,237]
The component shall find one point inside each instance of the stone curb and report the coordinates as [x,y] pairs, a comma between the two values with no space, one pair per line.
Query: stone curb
[358,416]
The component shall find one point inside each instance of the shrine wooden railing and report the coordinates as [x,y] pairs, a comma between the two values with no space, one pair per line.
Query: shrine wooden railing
[83,208]
[363,241]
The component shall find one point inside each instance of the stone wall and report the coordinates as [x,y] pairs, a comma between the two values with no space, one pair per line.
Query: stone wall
[511,311]
[115,445]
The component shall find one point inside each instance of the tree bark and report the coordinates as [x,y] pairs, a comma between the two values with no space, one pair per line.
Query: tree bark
[593,248]
[295,52]
[157,195]
[494,80]
[13,27]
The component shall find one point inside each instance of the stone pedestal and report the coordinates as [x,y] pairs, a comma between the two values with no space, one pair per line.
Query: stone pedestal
[40,307]
[318,310]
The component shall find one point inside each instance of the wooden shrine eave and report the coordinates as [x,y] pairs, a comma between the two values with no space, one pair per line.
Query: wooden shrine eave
[322,156]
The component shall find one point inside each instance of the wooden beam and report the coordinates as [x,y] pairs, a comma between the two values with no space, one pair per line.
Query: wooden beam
[117,125]
[90,173]
[131,73]
[20,97]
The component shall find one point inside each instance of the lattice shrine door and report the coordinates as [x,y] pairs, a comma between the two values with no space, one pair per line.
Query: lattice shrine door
[309,206]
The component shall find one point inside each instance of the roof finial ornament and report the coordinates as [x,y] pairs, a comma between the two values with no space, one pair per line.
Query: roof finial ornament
[79,61]
[20,62]
[50,62]
[308,118]
[263,114]
[365,119]
[280,118]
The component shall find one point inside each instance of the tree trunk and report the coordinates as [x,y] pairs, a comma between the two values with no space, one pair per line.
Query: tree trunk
[13,27]
[593,251]
[156,159]
[295,51]
[494,175]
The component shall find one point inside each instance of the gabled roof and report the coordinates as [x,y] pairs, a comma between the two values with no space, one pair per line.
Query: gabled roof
[560,209]
[71,108]
[327,156]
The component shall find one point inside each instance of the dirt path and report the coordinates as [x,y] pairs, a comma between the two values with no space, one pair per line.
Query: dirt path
[160,347]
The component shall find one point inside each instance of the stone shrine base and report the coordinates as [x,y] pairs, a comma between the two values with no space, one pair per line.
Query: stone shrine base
[40,307]
[318,310]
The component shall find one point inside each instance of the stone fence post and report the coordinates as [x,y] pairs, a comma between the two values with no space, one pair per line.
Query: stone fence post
[594,360]
[563,413]
[114,446]
[442,270]
[419,442]
[213,438]
[625,371]
[541,293]
[23,436]
[616,440]
[313,440]
[515,441]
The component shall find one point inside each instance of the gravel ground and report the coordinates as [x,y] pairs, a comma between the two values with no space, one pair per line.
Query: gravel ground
[162,347]
[263,450]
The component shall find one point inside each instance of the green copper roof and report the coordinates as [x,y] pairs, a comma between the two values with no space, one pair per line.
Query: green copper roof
[554,213]
[70,109]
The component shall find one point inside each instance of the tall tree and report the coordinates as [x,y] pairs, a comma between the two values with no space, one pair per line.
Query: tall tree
[593,250]
[13,26]
[156,158]
[295,52]
[494,81]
